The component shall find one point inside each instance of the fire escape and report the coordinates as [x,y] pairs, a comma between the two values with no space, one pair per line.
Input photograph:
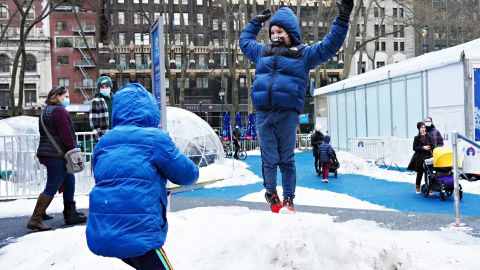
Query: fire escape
[86,62]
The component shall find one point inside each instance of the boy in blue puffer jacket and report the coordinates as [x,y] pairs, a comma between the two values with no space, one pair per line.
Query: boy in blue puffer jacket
[278,91]
[131,164]
[325,155]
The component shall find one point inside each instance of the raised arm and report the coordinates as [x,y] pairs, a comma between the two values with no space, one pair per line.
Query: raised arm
[248,38]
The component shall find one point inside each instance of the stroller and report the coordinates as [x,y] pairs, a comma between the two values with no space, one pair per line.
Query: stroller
[439,175]
[334,165]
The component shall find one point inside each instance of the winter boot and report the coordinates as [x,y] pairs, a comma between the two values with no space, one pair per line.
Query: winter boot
[288,207]
[35,222]
[274,202]
[46,216]
[71,215]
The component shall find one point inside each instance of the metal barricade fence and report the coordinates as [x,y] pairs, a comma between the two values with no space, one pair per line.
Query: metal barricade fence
[371,149]
[303,142]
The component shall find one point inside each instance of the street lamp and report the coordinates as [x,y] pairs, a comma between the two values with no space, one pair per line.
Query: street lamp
[221,93]
[200,102]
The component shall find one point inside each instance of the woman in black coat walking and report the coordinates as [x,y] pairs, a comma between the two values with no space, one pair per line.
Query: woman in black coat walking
[423,147]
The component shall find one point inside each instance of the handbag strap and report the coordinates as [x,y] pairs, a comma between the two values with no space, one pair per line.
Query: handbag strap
[50,137]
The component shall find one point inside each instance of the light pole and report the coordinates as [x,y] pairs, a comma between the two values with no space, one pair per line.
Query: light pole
[200,102]
[221,93]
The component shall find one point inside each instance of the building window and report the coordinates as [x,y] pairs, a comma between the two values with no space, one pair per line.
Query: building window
[215,24]
[395,46]
[31,12]
[199,2]
[400,12]
[4,94]
[61,26]
[31,63]
[62,60]
[4,63]
[120,1]
[202,82]
[376,30]
[64,42]
[380,64]
[121,38]
[30,90]
[137,18]
[186,81]
[4,12]
[178,61]
[138,39]
[402,31]
[121,17]
[65,82]
[200,40]
[200,19]
[395,13]
[384,46]
[243,82]
[122,60]
[382,33]
[402,46]
[201,62]
[395,31]
[223,59]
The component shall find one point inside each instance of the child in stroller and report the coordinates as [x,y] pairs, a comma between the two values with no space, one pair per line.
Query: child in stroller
[438,173]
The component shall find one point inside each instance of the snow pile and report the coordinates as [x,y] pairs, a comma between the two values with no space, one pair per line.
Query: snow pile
[231,238]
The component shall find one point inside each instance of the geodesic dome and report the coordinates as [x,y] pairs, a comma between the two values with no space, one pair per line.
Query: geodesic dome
[194,136]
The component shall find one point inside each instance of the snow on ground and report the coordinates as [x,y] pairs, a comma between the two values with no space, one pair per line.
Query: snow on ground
[230,238]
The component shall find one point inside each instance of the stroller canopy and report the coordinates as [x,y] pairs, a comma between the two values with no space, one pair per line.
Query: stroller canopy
[442,157]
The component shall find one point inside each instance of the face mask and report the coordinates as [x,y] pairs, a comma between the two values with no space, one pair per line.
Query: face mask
[278,40]
[428,124]
[105,92]
[65,102]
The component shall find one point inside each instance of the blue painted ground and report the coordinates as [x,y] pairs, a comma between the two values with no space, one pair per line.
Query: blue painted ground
[394,195]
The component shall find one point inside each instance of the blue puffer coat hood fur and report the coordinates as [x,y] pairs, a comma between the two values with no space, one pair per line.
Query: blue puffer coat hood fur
[131,164]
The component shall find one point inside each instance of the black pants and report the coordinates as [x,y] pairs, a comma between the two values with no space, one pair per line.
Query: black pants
[236,146]
[153,260]
[317,164]
[420,173]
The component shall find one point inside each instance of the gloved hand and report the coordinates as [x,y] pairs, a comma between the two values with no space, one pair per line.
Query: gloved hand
[345,8]
[266,14]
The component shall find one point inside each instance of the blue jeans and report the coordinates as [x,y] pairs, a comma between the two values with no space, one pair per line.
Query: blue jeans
[277,132]
[56,176]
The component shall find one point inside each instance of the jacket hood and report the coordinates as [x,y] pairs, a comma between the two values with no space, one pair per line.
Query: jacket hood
[285,18]
[326,139]
[133,105]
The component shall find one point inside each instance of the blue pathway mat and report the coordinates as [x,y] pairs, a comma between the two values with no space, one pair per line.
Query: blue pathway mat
[395,195]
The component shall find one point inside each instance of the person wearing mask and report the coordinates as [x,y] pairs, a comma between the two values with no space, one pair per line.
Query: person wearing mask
[423,147]
[278,91]
[316,139]
[58,122]
[433,132]
[101,107]
[131,165]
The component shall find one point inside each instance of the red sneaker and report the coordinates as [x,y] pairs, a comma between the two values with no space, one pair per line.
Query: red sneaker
[274,202]
[288,207]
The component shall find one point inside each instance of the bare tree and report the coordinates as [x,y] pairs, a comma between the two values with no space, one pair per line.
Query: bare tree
[183,44]
[20,56]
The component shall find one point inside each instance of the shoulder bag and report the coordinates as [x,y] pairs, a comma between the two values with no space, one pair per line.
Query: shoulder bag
[74,159]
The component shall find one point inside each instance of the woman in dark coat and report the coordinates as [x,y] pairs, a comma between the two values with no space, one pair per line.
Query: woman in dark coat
[423,147]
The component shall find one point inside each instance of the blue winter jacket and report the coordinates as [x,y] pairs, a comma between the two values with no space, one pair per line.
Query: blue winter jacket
[281,75]
[325,151]
[131,165]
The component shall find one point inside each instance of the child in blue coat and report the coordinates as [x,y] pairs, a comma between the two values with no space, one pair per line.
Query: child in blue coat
[131,164]
[278,91]
[325,155]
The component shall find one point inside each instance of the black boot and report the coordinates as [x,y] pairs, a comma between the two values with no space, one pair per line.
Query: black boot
[46,216]
[71,215]
[35,222]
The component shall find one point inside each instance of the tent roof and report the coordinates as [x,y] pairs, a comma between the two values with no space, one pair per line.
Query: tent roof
[423,62]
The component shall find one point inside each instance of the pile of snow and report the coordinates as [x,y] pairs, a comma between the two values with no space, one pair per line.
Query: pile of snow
[227,238]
